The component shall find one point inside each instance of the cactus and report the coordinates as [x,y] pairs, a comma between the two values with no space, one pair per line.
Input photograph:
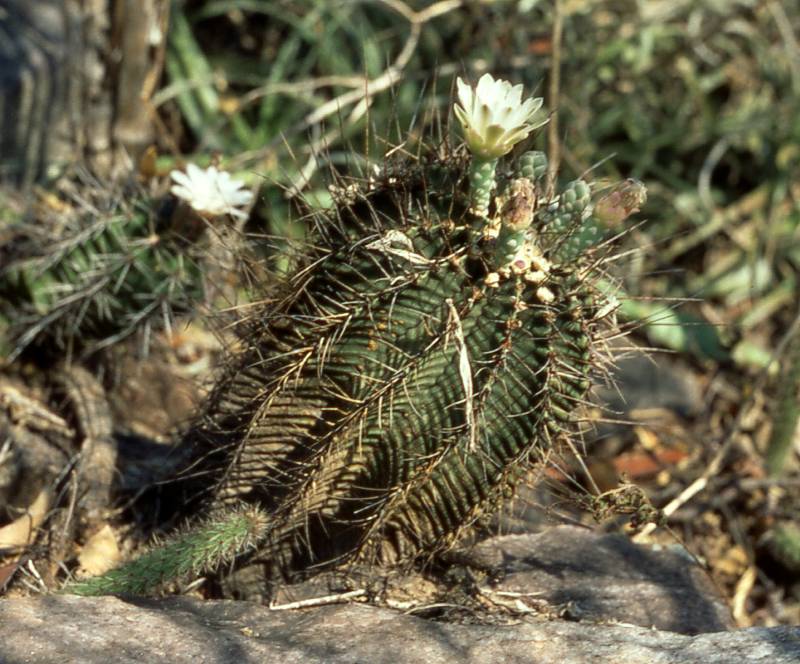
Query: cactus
[94,275]
[783,542]
[406,382]
[218,539]
[787,408]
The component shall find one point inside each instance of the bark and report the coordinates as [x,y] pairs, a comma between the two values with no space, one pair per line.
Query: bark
[76,77]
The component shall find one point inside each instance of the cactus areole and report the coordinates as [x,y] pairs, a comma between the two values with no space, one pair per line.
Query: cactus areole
[424,358]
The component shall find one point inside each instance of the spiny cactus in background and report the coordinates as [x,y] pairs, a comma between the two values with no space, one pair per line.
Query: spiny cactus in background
[783,538]
[84,276]
[787,407]
[430,349]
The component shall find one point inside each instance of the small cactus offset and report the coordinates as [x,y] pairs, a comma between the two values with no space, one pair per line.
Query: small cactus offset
[210,544]
[425,355]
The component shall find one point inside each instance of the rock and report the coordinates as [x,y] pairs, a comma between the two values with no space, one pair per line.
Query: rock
[643,380]
[40,630]
[605,581]
[590,576]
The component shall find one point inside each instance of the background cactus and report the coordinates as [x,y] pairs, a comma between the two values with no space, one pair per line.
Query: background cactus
[786,407]
[404,384]
[76,282]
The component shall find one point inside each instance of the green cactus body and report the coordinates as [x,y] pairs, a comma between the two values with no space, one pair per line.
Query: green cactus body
[219,539]
[95,281]
[533,165]
[396,397]
[401,389]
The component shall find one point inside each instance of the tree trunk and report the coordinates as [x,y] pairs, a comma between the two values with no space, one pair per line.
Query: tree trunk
[76,77]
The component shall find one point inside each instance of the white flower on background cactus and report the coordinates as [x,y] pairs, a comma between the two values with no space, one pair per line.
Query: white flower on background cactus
[494,117]
[211,191]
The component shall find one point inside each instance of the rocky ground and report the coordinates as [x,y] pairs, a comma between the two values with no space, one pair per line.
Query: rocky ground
[566,595]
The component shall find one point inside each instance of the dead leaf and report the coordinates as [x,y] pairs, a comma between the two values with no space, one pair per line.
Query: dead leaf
[7,573]
[734,562]
[20,532]
[99,554]
[148,163]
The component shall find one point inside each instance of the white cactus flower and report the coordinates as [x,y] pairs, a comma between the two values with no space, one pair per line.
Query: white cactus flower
[211,191]
[494,117]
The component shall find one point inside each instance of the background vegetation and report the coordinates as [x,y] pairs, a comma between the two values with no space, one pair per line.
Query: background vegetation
[699,99]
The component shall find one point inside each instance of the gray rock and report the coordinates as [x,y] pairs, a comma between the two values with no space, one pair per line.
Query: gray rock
[590,576]
[605,581]
[65,629]
[643,380]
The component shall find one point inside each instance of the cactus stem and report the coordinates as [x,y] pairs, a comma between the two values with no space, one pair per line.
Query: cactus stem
[221,538]
[481,185]
[787,411]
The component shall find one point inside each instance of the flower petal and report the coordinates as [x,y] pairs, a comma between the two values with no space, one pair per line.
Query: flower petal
[181,178]
[464,93]
[482,119]
[494,116]
[211,191]
[486,88]
[194,172]
[529,109]
[514,96]
[182,192]
[461,114]
[240,198]
[516,136]
[493,134]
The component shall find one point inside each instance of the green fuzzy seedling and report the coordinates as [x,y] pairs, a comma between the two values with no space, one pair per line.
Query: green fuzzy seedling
[206,547]
[482,185]
[533,165]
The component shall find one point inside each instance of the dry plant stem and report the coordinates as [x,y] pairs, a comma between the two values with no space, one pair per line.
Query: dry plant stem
[140,68]
[553,143]
[339,598]
[364,91]
[313,84]
[745,206]
[743,587]
[790,40]
[394,72]
[714,156]
[716,463]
